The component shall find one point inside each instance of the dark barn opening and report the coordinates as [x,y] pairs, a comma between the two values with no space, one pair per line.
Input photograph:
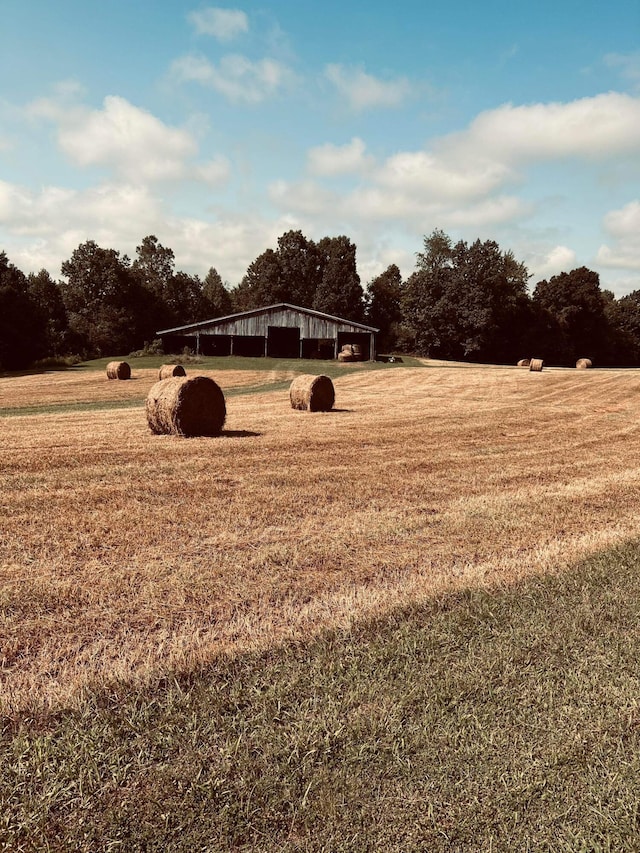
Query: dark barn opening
[361,338]
[283,342]
[215,344]
[318,348]
[248,345]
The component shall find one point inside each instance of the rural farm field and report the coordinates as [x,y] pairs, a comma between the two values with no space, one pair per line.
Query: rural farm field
[131,561]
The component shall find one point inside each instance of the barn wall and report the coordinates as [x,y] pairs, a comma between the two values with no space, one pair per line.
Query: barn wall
[244,335]
[258,324]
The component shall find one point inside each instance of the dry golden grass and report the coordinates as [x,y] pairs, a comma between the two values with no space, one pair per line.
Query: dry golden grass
[125,555]
[80,386]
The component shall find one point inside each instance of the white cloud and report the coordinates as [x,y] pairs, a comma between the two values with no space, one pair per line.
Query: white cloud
[132,143]
[629,65]
[41,229]
[623,226]
[557,260]
[364,91]
[304,197]
[236,77]
[424,174]
[215,172]
[222,24]
[596,128]
[328,159]
[130,140]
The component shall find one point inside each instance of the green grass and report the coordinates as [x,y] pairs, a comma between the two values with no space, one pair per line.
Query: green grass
[219,363]
[505,720]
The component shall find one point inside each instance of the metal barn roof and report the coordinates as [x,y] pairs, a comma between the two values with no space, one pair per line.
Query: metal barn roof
[281,306]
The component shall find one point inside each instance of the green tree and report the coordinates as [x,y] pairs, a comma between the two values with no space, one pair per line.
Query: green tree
[466,302]
[22,333]
[300,269]
[576,306]
[261,285]
[216,297]
[338,291]
[46,295]
[427,313]
[384,307]
[183,298]
[105,303]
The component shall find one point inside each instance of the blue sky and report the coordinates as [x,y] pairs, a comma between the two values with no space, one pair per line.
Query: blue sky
[217,128]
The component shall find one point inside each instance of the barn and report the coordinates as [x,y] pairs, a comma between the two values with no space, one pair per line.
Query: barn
[279,331]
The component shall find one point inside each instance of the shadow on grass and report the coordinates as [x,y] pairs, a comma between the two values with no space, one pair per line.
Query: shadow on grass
[239,433]
[490,719]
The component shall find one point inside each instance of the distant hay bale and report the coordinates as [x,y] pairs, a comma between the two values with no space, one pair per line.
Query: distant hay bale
[584,363]
[312,393]
[118,370]
[524,362]
[536,364]
[346,355]
[186,407]
[169,370]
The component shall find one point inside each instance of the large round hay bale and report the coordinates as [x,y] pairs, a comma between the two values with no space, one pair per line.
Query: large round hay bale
[345,356]
[118,370]
[357,352]
[188,407]
[524,362]
[536,364]
[312,393]
[584,363]
[169,370]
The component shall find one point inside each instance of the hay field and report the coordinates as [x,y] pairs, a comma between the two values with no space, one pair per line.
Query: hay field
[125,556]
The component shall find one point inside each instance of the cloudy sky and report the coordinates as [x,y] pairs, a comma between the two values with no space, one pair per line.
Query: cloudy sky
[217,128]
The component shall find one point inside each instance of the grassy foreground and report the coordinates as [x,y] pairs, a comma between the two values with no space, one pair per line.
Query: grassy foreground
[496,720]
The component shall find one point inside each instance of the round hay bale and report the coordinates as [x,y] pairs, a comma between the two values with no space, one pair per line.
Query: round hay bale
[584,363]
[118,370]
[187,407]
[524,362]
[347,348]
[345,356]
[536,364]
[356,349]
[312,393]
[168,370]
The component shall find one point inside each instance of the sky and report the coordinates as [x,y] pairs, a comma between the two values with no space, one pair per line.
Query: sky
[218,128]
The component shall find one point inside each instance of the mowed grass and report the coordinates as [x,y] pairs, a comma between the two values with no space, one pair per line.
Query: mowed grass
[503,720]
[367,629]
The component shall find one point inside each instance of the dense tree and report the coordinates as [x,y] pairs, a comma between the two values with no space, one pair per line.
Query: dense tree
[384,308]
[422,298]
[216,297]
[22,332]
[338,291]
[261,284]
[300,269]
[623,327]
[466,301]
[105,303]
[183,298]
[46,295]
[575,305]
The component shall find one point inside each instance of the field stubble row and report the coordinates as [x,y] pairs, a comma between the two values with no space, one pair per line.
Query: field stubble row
[127,555]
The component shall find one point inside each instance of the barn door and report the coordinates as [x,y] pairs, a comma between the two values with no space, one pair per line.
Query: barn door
[283,342]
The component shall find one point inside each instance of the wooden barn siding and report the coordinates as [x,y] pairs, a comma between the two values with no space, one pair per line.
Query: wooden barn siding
[310,326]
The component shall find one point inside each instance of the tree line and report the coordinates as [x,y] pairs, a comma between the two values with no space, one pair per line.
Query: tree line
[463,301]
